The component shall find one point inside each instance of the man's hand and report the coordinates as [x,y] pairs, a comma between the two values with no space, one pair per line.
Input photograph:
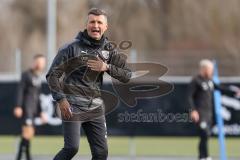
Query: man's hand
[18,112]
[44,117]
[195,116]
[97,65]
[238,94]
[64,107]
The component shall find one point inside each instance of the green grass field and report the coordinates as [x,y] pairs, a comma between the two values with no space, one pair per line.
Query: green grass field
[124,146]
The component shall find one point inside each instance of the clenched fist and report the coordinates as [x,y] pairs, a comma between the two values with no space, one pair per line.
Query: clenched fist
[195,116]
[64,107]
[18,112]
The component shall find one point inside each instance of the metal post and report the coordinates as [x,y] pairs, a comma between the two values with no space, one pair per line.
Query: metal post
[132,147]
[133,56]
[51,30]
[219,119]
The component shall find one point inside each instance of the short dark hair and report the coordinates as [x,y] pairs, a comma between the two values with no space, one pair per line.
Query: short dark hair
[97,12]
[36,56]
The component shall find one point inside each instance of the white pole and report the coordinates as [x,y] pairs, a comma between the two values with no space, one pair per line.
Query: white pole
[133,56]
[51,30]
[132,148]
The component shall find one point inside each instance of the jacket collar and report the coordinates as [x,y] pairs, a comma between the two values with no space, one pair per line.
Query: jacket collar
[86,39]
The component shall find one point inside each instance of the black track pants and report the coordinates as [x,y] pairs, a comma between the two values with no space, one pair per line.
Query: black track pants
[96,134]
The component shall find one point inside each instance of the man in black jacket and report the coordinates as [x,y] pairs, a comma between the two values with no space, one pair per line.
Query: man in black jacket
[27,105]
[75,78]
[201,102]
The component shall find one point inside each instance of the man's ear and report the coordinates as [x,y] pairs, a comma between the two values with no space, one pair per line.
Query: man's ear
[106,27]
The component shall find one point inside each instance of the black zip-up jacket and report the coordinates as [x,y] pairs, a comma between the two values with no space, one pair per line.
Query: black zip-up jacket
[28,93]
[201,96]
[70,78]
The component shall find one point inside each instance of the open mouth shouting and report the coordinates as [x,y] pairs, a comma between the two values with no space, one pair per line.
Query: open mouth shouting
[96,32]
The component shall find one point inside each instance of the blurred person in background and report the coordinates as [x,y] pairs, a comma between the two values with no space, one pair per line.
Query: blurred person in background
[28,106]
[201,103]
[75,80]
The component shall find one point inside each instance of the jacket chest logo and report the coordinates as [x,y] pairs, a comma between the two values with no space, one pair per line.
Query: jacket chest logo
[207,85]
[105,54]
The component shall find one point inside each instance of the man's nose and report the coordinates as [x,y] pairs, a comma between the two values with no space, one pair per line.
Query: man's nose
[95,24]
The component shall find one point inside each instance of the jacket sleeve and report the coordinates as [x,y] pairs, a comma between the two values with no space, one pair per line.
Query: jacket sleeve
[191,94]
[39,107]
[118,67]
[56,73]
[225,90]
[20,90]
